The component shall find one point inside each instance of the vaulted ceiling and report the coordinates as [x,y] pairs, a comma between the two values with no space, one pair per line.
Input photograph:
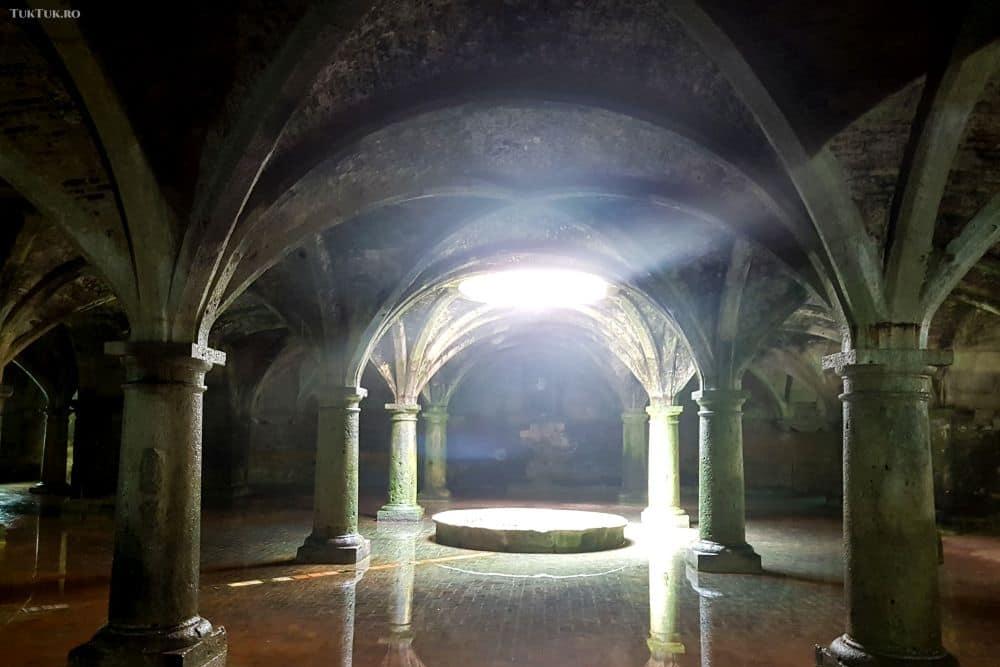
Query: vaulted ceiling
[308,167]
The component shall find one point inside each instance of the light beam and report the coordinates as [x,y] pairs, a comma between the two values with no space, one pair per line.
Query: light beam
[534,289]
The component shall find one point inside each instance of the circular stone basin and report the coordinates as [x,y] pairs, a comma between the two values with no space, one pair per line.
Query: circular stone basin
[530,530]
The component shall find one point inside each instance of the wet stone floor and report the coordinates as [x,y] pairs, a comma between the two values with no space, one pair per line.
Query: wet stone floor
[419,603]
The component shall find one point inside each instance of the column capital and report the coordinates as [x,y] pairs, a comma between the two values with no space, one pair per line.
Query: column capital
[340,397]
[914,361]
[436,413]
[166,350]
[403,410]
[663,410]
[635,415]
[720,399]
[152,362]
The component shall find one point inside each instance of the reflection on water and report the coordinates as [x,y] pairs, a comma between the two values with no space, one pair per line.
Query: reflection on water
[344,603]
[665,571]
[34,553]
[419,603]
[401,542]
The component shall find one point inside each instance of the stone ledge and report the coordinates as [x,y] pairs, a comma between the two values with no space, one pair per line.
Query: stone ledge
[530,530]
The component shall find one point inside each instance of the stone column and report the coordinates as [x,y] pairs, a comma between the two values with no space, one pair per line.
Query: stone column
[56,450]
[402,505]
[35,422]
[722,545]
[634,435]
[227,454]
[95,446]
[890,536]
[435,486]
[239,455]
[942,459]
[664,467]
[153,611]
[335,537]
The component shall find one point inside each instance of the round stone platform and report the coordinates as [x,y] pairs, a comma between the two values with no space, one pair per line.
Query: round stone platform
[530,530]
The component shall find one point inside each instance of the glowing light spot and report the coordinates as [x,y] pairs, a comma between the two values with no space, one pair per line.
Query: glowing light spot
[240,584]
[534,289]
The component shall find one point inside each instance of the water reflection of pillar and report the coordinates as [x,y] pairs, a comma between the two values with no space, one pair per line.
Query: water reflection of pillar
[51,552]
[343,631]
[665,571]
[402,542]
[717,593]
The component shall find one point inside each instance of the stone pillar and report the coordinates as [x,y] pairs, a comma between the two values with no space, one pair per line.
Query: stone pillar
[664,467]
[96,443]
[634,435]
[664,585]
[402,505]
[335,537]
[942,459]
[56,450]
[227,433]
[35,422]
[153,610]
[239,455]
[722,545]
[890,536]
[435,486]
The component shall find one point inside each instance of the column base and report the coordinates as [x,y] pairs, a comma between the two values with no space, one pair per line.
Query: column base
[194,644]
[631,498]
[435,494]
[340,550]
[845,652]
[47,489]
[716,558]
[663,651]
[400,513]
[672,517]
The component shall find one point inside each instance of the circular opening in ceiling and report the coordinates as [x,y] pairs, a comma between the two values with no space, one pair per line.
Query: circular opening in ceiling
[530,530]
[534,288]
